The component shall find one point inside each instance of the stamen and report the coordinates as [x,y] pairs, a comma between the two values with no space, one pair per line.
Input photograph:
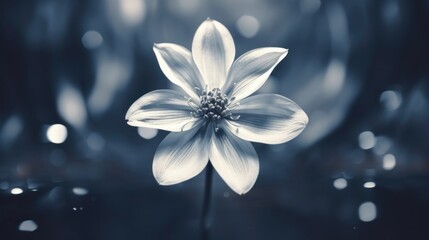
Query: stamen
[234,117]
[192,104]
[184,125]
[198,90]
[214,106]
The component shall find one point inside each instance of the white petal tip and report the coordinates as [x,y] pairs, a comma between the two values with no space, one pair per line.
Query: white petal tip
[162,183]
[285,52]
[164,180]
[242,191]
[156,47]
[303,117]
[135,123]
[128,115]
[161,180]
[131,123]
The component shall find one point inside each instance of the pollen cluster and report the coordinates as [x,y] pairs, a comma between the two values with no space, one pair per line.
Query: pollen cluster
[213,105]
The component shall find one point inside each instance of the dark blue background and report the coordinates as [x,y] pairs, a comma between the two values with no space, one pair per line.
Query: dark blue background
[353,66]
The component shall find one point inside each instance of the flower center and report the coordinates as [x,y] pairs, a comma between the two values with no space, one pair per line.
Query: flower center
[214,106]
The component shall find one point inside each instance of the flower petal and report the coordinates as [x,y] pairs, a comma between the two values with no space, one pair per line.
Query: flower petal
[268,118]
[162,109]
[235,160]
[213,50]
[250,71]
[178,66]
[181,156]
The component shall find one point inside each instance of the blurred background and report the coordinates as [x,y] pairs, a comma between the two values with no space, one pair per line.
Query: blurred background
[71,168]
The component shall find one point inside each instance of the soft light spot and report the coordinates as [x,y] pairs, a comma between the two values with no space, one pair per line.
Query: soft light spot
[12,127]
[248,26]
[55,194]
[391,11]
[22,169]
[276,147]
[71,106]
[226,194]
[92,40]
[370,172]
[80,191]
[112,73]
[389,161]
[369,185]
[147,133]
[367,140]
[27,226]
[338,25]
[133,11]
[16,191]
[383,144]
[4,185]
[367,212]
[56,133]
[334,77]
[391,100]
[340,183]
[309,6]
[185,8]
[57,157]
[32,184]
[95,141]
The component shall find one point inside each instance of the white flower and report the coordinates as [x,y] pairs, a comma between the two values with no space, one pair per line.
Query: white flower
[214,117]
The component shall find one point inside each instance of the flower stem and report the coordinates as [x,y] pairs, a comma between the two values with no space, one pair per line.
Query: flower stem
[206,211]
